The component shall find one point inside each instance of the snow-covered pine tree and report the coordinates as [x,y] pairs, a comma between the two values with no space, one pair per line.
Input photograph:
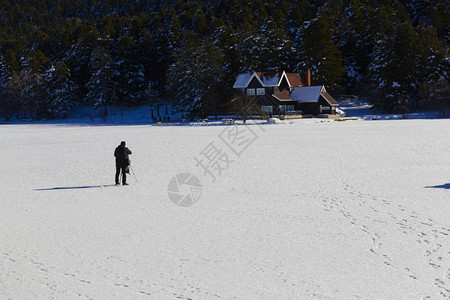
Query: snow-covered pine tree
[401,63]
[5,106]
[165,35]
[3,73]
[319,52]
[60,89]
[132,87]
[130,77]
[27,94]
[433,13]
[387,71]
[79,57]
[431,65]
[250,46]
[354,40]
[101,88]
[35,62]
[276,48]
[197,70]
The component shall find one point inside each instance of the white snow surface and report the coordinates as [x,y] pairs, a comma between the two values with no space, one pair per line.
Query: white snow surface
[311,209]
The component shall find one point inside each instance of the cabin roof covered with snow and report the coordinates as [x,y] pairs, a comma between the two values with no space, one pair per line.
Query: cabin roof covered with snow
[306,93]
[309,94]
[267,79]
[243,80]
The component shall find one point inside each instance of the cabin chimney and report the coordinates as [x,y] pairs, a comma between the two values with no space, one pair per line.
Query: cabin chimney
[308,77]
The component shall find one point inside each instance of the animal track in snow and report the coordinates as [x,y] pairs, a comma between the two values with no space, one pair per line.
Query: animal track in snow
[428,234]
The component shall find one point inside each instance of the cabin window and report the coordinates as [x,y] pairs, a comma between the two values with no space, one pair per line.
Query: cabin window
[260,91]
[286,108]
[250,92]
[268,110]
[324,108]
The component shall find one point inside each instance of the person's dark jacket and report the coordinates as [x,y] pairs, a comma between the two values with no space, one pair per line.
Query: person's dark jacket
[121,153]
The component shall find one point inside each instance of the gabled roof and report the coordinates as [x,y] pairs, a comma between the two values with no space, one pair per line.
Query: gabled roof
[284,96]
[267,79]
[308,94]
[329,98]
[270,78]
[305,94]
[300,92]
[243,80]
[294,79]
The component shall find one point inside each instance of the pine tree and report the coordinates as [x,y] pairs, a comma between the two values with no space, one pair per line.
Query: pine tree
[101,88]
[6,105]
[354,40]
[3,73]
[130,77]
[164,40]
[26,92]
[228,42]
[12,64]
[60,89]
[195,73]
[402,63]
[319,53]
[36,62]
[430,62]
[275,48]
[78,58]
[249,47]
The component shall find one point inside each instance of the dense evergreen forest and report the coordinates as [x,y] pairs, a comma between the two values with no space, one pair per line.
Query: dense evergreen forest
[58,54]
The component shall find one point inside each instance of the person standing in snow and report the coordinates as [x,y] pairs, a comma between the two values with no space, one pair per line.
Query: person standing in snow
[122,162]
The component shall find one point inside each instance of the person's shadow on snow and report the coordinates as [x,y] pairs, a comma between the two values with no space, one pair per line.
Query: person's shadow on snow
[443,186]
[75,187]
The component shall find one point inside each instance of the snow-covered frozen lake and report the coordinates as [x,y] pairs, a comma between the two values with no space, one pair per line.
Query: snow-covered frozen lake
[304,209]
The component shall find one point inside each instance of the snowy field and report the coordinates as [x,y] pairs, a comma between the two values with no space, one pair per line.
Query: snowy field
[308,209]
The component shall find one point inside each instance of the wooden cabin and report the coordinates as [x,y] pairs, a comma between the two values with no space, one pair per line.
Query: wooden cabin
[281,93]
